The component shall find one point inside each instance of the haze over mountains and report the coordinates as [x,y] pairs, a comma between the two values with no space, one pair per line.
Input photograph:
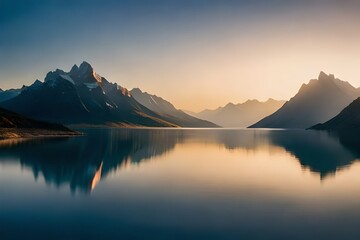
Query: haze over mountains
[242,114]
[316,102]
[81,96]
[165,108]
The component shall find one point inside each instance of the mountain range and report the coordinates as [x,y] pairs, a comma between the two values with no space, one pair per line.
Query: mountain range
[165,108]
[316,102]
[81,96]
[10,93]
[242,114]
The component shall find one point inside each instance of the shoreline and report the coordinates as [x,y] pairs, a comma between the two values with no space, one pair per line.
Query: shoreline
[24,133]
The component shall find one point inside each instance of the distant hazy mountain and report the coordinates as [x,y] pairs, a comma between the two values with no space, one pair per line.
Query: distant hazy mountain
[15,125]
[242,114]
[191,113]
[165,108]
[8,94]
[349,118]
[317,101]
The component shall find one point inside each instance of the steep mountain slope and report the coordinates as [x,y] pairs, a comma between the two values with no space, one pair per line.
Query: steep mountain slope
[81,96]
[242,114]
[8,94]
[317,101]
[167,110]
[348,118]
[15,125]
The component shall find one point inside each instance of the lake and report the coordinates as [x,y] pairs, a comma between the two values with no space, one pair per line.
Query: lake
[182,184]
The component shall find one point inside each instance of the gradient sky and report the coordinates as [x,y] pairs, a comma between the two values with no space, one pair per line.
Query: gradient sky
[197,54]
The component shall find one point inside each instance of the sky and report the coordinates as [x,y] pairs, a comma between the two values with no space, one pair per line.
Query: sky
[197,54]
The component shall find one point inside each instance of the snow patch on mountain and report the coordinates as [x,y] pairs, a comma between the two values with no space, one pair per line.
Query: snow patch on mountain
[91,85]
[67,77]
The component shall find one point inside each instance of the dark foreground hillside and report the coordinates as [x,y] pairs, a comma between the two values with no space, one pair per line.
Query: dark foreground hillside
[13,125]
[347,119]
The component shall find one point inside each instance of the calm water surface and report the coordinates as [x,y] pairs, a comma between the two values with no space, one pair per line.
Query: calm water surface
[182,184]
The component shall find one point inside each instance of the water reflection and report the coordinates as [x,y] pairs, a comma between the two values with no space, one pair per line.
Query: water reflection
[81,162]
[321,152]
[350,140]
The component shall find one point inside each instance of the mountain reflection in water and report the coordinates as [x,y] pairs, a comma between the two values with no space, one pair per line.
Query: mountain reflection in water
[81,162]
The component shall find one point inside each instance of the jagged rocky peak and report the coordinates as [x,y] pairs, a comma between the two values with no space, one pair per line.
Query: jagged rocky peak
[74,69]
[136,90]
[53,75]
[113,88]
[36,85]
[37,82]
[85,67]
[56,75]
[325,77]
[84,74]
[124,91]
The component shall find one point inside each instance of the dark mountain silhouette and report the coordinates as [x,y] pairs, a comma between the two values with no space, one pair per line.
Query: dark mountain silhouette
[81,96]
[168,110]
[319,152]
[348,118]
[317,101]
[242,114]
[349,139]
[14,125]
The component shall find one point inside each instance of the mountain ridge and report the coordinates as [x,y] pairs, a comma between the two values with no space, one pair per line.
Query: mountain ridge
[165,108]
[241,114]
[83,97]
[315,102]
